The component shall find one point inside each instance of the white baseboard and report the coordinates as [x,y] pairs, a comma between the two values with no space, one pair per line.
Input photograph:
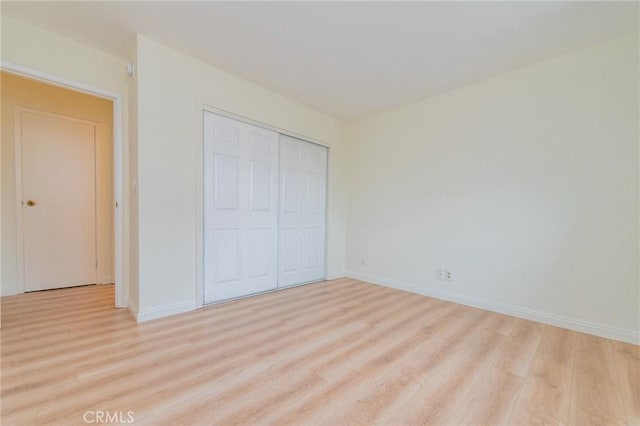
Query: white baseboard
[165,311]
[133,308]
[335,276]
[624,335]
[106,279]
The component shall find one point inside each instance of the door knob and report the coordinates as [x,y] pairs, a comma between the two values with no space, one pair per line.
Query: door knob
[31,203]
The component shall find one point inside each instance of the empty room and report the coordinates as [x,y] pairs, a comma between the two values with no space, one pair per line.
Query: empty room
[320,213]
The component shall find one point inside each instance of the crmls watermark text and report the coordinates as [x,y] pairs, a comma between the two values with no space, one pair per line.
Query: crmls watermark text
[111,417]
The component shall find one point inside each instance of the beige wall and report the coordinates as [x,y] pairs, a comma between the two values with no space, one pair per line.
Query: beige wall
[22,92]
[524,186]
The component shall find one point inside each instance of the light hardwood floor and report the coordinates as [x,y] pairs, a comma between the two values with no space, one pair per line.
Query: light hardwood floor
[339,353]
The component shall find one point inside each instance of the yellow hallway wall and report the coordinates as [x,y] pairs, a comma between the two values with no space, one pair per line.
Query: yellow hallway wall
[23,92]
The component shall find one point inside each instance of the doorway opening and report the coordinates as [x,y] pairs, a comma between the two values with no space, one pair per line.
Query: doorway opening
[64,151]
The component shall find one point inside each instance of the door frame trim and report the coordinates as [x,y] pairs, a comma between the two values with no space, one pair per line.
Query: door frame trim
[121,212]
[17,129]
[224,113]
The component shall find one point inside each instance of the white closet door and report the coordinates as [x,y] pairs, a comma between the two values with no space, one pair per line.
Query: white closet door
[240,208]
[303,177]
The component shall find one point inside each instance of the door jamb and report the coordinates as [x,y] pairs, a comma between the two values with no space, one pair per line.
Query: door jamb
[121,207]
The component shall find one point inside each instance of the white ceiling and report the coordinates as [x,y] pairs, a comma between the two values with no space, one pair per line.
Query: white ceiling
[347,59]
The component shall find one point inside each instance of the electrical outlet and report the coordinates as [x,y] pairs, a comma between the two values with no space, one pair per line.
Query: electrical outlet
[443,275]
[363,262]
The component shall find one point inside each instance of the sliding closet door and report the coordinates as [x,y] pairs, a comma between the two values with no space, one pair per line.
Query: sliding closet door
[240,208]
[303,177]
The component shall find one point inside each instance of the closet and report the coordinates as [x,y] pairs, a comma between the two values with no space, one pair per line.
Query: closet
[264,209]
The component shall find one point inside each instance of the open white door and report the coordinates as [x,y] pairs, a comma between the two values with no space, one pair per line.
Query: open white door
[240,208]
[58,204]
[303,183]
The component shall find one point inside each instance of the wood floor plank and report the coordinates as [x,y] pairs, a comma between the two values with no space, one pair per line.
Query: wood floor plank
[627,360]
[501,324]
[596,394]
[307,321]
[378,400]
[187,327]
[448,374]
[490,400]
[318,362]
[341,352]
[545,396]
[520,348]
[52,410]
